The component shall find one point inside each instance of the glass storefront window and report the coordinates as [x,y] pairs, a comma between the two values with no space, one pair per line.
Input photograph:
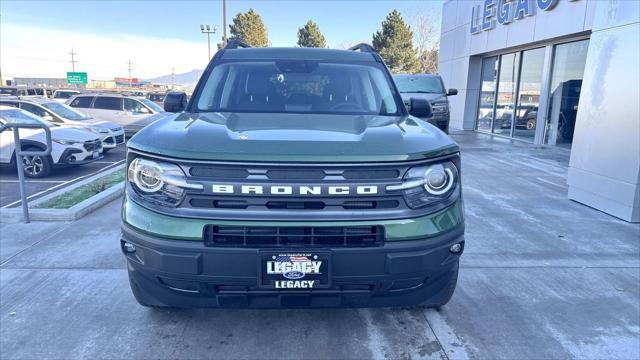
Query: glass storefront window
[506,93]
[529,93]
[566,83]
[487,93]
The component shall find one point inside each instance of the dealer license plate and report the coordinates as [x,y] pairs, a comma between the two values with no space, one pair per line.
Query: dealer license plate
[294,271]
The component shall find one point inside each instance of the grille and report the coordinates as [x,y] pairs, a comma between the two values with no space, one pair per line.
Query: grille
[108,140]
[264,236]
[116,129]
[119,139]
[92,145]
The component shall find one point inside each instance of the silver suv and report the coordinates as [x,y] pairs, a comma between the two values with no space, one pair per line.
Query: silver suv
[132,113]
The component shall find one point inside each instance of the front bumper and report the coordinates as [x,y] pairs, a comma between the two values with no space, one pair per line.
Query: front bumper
[188,274]
[183,272]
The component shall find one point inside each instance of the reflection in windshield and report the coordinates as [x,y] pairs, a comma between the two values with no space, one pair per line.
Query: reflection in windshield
[18,116]
[152,105]
[65,111]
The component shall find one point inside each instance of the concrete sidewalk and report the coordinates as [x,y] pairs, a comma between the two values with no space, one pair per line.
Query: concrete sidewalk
[541,277]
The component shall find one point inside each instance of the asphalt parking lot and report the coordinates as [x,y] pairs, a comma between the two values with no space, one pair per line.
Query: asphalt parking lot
[542,277]
[59,178]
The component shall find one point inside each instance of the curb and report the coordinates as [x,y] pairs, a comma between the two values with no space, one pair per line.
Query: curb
[75,212]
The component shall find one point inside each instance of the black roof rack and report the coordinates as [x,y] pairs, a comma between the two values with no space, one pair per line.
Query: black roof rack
[235,43]
[364,47]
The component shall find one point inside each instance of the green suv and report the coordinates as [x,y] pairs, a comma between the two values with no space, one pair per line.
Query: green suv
[293,177]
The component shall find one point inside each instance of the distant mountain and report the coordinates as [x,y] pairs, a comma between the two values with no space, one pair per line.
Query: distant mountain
[185,79]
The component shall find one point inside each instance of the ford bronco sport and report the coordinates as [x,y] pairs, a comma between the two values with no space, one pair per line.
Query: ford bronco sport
[293,177]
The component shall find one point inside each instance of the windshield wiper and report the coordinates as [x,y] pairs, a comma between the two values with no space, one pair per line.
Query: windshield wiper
[420,92]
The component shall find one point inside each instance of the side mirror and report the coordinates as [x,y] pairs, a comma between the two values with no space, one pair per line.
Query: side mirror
[452,92]
[47,117]
[175,102]
[420,108]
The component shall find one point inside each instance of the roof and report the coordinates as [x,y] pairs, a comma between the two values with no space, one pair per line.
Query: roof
[272,53]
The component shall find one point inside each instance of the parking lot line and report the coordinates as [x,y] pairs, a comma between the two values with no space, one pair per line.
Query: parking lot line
[36,195]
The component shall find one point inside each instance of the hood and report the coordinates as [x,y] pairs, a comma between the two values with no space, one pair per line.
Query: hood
[67,133]
[94,122]
[431,97]
[292,137]
[150,119]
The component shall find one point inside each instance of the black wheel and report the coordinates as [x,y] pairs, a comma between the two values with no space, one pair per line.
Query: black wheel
[36,166]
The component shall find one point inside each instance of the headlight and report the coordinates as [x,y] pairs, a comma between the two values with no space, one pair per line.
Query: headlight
[439,107]
[159,182]
[427,185]
[66,142]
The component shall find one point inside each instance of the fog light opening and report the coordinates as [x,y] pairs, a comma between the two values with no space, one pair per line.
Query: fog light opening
[129,248]
[456,248]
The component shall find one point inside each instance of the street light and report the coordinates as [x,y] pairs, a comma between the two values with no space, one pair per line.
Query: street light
[206,29]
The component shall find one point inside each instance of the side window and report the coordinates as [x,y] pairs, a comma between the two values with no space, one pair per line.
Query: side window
[135,106]
[108,103]
[82,102]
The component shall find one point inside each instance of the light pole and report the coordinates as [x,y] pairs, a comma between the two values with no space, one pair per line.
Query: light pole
[206,29]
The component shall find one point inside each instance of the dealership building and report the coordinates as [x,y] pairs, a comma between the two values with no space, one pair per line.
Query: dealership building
[553,73]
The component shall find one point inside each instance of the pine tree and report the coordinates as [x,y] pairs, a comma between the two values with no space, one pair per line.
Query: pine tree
[394,42]
[310,36]
[249,28]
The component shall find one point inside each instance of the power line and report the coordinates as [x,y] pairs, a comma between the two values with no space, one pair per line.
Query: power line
[73,60]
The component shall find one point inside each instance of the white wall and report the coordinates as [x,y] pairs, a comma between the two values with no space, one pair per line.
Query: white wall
[604,170]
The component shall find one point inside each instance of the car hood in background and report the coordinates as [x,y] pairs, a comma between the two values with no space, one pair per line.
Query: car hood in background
[292,137]
[149,119]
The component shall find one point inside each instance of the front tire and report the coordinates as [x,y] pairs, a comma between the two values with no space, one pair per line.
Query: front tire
[36,166]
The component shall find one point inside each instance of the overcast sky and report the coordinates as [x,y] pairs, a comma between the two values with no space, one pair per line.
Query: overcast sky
[37,36]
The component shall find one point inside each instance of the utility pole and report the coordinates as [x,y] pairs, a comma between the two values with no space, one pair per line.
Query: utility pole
[130,69]
[224,23]
[206,29]
[73,59]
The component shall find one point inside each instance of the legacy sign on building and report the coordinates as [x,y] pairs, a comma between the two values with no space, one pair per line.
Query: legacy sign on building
[484,17]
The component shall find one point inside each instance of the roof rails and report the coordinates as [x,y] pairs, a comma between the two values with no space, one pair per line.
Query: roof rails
[235,43]
[364,47]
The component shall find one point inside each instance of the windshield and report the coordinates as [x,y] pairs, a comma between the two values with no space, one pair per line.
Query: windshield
[419,84]
[22,117]
[64,94]
[65,111]
[298,86]
[153,106]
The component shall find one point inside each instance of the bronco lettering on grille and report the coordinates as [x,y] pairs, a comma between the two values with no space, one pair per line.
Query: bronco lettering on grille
[295,190]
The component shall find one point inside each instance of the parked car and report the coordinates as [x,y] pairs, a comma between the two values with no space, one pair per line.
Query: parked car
[132,113]
[17,91]
[69,146]
[431,88]
[156,97]
[110,133]
[61,95]
[294,177]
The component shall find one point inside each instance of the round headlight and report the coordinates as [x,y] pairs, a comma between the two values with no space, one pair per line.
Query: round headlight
[438,179]
[146,174]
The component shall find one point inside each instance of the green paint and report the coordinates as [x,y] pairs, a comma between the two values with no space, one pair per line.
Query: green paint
[176,228]
[77,77]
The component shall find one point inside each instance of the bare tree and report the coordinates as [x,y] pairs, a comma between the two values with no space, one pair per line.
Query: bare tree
[426,38]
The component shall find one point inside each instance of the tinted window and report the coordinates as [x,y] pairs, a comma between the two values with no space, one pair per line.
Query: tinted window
[108,103]
[419,84]
[9,103]
[299,86]
[63,94]
[9,91]
[82,102]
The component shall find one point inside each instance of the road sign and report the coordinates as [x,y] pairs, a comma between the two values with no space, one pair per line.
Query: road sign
[76,77]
